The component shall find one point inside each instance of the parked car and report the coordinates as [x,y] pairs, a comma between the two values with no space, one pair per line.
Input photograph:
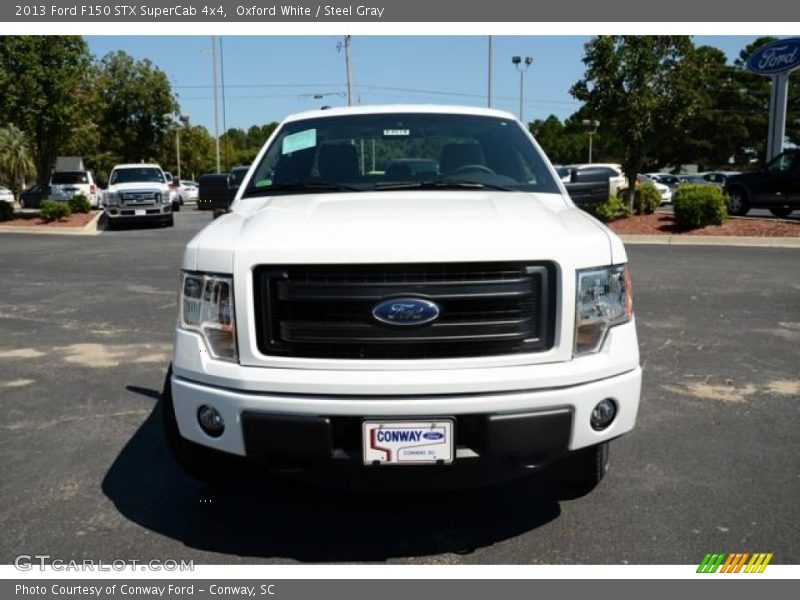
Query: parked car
[138,192]
[33,196]
[718,177]
[6,195]
[663,190]
[776,187]
[695,179]
[617,182]
[66,184]
[174,192]
[338,322]
[667,179]
[188,190]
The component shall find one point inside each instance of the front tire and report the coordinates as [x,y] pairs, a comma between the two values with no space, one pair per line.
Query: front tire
[199,462]
[739,202]
[581,471]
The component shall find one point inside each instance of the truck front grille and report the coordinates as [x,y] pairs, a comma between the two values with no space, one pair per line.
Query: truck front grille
[132,199]
[325,311]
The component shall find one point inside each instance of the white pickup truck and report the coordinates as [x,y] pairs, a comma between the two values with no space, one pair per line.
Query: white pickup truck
[353,315]
[136,193]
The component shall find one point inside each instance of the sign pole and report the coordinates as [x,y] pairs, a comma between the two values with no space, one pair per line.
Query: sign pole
[777,114]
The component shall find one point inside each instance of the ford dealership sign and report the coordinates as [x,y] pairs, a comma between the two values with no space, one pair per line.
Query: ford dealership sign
[780,56]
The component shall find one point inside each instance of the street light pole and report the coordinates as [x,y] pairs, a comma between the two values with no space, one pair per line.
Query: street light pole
[180,124]
[522,66]
[591,125]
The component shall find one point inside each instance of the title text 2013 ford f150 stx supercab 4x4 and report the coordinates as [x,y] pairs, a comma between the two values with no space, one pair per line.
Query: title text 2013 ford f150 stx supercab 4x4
[351,312]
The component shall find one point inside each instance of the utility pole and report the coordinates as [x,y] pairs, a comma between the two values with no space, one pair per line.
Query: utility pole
[522,67]
[222,82]
[489,89]
[349,70]
[216,103]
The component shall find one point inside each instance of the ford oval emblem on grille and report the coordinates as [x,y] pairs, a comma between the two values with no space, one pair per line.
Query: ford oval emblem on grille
[405,311]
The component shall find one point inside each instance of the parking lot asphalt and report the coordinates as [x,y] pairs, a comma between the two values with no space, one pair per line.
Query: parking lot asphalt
[85,333]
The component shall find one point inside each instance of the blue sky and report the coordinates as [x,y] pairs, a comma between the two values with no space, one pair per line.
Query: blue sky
[268,77]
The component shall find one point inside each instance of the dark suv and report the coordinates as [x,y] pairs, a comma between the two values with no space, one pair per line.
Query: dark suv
[776,187]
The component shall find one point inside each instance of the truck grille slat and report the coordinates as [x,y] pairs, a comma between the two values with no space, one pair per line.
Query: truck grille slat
[325,311]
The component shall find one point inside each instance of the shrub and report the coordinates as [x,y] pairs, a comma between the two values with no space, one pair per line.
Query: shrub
[79,204]
[53,211]
[6,211]
[646,200]
[611,209]
[699,205]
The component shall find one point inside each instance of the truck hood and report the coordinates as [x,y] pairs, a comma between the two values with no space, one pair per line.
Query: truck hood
[402,226]
[141,185]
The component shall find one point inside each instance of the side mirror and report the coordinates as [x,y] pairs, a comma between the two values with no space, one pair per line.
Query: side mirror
[231,182]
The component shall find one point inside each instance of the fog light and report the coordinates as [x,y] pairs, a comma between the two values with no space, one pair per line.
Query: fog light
[602,414]
[210,420]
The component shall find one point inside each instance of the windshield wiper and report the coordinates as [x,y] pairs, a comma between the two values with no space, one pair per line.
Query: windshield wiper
[313,186]
[442,184]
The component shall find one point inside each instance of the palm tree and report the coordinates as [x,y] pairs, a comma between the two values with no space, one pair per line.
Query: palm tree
[16,162]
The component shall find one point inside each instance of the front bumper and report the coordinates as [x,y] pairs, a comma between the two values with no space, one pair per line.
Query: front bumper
[519,425]
[132,213]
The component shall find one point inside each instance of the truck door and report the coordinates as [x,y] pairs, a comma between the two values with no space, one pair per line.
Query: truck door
[775,183]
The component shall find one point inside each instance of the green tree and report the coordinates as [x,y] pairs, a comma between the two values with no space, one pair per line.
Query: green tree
[16,160]
[45,81]
[643,89]
[133,96]
[197,153]
[562,144]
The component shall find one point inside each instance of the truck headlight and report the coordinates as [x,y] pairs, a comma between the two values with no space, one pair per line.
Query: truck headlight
[206,306]
[112,199]
[603,299]
[162,198]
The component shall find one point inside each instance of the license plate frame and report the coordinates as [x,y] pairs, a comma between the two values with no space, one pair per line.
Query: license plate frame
[405,442]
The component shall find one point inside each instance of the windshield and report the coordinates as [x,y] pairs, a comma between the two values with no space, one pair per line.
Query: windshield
[137,175]
[397,150]
[64,177]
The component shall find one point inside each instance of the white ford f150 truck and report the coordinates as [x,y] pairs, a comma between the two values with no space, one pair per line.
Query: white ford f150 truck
[351,312]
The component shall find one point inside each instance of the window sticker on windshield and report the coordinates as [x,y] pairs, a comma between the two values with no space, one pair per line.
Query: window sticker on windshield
[299,141]
[400,132]
[263,182]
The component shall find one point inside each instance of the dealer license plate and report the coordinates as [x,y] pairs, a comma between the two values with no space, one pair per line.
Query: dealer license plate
[407,442]
[139,212]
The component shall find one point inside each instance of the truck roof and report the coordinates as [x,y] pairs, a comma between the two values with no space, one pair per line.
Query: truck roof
[400,108]
[137,165]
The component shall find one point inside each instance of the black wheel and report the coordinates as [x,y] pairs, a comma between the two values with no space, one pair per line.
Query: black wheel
[580,472]
[781,211]
[176,206]
[111,225]
[170,222]
[739,202]
[199,462]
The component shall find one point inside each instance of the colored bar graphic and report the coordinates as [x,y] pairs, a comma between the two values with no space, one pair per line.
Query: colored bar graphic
[734,562]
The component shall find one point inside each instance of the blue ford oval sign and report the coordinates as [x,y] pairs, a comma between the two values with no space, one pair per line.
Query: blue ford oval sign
[433,435]
[405,311]
[780,56]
